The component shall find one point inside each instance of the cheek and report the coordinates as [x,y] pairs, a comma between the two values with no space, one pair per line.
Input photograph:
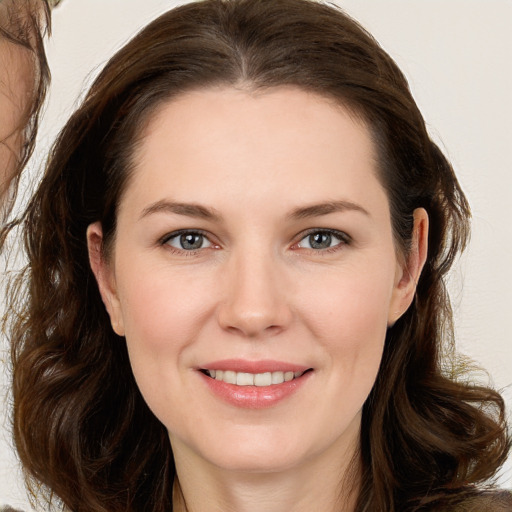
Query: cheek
[350,304]
[348,317]
[162,317]
[163,313]
[161,308]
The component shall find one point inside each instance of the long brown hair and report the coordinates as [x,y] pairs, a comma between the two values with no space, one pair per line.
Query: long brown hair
[81,427]
[25,23]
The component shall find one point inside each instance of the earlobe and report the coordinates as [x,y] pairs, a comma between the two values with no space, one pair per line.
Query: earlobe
[104,276]
[410,270]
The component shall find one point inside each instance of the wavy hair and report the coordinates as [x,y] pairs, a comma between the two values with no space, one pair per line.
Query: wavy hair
[82,428]
[24,24]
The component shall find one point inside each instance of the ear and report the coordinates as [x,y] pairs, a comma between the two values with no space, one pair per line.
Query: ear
[409,271]
[105,277]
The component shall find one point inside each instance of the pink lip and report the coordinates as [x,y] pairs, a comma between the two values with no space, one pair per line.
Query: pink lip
[254,397]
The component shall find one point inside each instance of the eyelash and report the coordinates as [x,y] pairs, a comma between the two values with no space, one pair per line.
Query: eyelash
[164,241]
[344,238]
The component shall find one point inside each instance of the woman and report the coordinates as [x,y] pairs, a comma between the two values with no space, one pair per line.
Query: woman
[236,296]
[24,78]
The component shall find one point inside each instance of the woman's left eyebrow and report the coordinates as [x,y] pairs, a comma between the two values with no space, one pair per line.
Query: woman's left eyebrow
[317,210]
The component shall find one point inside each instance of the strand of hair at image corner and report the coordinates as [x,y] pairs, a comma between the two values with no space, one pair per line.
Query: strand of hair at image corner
[24,27]
[27,30]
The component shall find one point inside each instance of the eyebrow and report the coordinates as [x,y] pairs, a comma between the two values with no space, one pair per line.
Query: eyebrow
[203,212]
[317,210]
[186,209]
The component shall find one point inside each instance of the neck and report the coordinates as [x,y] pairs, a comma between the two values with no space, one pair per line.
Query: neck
[318,484]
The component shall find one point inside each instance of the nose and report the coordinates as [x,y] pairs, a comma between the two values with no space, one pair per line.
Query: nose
[254,302]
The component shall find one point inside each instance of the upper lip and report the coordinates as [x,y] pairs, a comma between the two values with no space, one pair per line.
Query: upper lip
[245,366]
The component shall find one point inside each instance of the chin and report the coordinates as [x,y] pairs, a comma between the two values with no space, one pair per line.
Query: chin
[270,455]
[258,463]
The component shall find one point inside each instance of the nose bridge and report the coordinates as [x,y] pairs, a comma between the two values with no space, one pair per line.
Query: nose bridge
[254,293]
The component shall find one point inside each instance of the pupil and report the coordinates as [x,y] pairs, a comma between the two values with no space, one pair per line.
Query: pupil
[191,241]
[320,240]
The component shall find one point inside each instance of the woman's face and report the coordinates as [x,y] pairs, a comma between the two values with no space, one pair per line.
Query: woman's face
[254,246]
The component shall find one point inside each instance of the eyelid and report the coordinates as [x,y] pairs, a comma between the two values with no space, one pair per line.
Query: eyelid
[344,238]
[341,235]
[174,234]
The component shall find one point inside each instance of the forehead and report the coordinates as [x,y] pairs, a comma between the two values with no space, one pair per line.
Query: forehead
[283,142]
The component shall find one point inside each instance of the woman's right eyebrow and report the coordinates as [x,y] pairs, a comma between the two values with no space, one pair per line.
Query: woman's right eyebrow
[186,209]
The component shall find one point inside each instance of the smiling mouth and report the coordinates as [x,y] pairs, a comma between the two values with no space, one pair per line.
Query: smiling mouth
[253,379]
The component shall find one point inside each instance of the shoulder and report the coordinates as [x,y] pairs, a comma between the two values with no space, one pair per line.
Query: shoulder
[495,501]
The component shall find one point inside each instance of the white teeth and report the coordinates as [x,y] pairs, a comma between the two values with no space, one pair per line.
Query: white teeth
[263,379]
[229,377]
[277,377]
[245,379]
[253,379]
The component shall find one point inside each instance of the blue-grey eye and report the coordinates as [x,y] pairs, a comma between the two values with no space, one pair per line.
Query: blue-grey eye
[189,241]
[320,240]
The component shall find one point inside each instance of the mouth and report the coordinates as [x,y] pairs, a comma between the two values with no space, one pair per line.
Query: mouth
[264,379]
[254,384]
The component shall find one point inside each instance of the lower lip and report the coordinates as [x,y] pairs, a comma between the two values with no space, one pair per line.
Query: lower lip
[255,397]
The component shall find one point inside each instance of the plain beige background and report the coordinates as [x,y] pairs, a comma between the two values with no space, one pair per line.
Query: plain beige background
[457,55]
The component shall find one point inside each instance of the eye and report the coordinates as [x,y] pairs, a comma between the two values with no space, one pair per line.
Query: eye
[323,239]
[187,241]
